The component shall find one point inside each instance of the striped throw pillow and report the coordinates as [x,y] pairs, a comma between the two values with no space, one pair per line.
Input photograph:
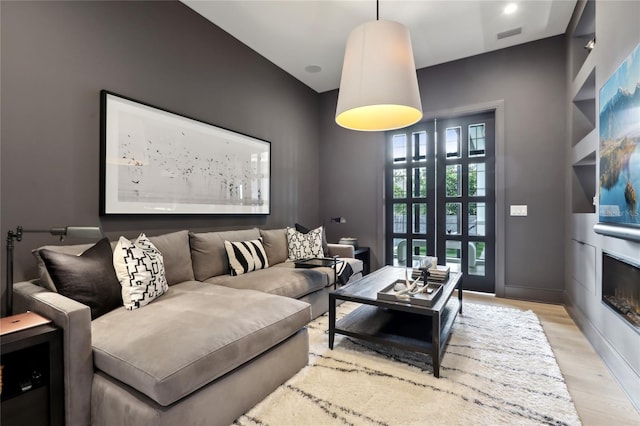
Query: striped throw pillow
[246,256]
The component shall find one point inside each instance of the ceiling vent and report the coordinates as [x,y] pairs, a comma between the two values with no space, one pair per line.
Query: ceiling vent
[509,33]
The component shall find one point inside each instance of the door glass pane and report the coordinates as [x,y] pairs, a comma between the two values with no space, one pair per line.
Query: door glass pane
[399,183]
[400,148]
[420,182]
[420,218]
[419,146]
[453,219]
[477,184]
[476,140]
[476,258]
[399,218]
[399,252]
[453,136]
[454,180]
[454,255]
[419,251]
[477,219]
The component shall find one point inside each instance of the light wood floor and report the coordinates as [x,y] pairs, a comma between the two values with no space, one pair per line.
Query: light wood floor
[597,396]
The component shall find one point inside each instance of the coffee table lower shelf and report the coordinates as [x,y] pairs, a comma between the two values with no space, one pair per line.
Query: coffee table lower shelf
[404,330]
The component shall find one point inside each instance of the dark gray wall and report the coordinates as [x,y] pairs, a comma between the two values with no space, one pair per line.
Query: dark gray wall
[530,79]
[57,56]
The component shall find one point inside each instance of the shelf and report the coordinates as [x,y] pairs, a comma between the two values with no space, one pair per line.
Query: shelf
[588,160]
[585,30]
[584,152]
[583,112]
[583,187]
[400,329]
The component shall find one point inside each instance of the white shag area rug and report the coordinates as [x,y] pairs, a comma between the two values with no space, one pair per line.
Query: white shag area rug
[498,368]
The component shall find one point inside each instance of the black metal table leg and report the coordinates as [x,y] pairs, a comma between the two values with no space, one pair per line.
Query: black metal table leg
[435,355]
[332,319]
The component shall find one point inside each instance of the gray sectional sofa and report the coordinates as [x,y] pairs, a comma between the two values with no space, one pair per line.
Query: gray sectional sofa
[204,352]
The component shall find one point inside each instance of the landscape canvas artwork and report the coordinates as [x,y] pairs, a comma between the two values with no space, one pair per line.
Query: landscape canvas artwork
[620,144]
[158,162]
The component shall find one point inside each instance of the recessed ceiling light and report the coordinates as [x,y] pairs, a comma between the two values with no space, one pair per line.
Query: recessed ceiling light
[510,8]
[313,69]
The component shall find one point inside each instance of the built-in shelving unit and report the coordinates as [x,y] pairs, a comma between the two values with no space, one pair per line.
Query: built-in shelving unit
[613,27]
[584,140]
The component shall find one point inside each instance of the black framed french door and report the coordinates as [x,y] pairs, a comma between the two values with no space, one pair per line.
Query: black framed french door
[440,196]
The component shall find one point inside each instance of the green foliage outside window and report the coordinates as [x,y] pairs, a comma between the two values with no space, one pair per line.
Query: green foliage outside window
[451,181]
[452,188]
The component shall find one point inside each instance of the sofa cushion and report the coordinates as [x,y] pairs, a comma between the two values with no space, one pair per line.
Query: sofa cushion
[140,270]
[176,255]
[305,230]
[208,254]
[282,280]
[87,278]
[191,336]
[246,256]
[304,246]
[275,245]
[174,247]
[45,278]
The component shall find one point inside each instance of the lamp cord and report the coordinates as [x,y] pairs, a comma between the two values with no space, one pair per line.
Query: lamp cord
[377,10]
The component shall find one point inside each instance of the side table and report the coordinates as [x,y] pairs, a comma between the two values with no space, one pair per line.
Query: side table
[32,377]
[316,262]
[363,254]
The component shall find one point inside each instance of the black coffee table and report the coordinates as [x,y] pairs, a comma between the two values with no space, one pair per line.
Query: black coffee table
[395,323]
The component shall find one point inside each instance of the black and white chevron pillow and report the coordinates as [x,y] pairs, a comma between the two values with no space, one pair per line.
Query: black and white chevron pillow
[246,256]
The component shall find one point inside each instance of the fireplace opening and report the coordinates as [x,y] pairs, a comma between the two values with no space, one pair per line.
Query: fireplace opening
[621,287]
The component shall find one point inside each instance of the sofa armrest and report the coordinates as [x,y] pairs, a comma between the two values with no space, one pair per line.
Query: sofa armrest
[341,250]
[75,320]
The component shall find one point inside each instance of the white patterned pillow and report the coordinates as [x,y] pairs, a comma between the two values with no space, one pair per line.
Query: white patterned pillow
[140,269]
[304,246]
[246,256]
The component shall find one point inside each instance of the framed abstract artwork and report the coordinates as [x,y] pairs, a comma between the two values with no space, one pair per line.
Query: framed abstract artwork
[619,151]
[158,162]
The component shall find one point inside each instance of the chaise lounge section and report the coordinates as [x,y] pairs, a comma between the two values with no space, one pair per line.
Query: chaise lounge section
[204,352]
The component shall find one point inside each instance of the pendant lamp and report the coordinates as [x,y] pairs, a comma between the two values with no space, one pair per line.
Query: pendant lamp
[379,87]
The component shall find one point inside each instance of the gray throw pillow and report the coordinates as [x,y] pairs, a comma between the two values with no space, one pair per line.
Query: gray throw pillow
[88,278]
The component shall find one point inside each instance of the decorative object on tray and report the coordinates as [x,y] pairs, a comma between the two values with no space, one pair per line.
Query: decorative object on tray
[413,292]
[428,262]
[438,274]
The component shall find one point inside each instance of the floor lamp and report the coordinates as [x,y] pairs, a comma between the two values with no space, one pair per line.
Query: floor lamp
[88,232]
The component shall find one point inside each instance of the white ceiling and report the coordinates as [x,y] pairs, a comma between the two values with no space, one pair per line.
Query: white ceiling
[295,34]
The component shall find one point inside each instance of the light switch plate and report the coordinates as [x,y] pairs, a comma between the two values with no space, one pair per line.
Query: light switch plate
[518,210]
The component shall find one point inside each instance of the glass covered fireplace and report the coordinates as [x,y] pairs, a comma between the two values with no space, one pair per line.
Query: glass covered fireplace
[621,287]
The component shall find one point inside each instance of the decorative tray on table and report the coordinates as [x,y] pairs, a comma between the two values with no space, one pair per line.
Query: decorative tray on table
[420,295]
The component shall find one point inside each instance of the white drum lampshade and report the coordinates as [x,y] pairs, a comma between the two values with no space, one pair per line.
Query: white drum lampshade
[379,87]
